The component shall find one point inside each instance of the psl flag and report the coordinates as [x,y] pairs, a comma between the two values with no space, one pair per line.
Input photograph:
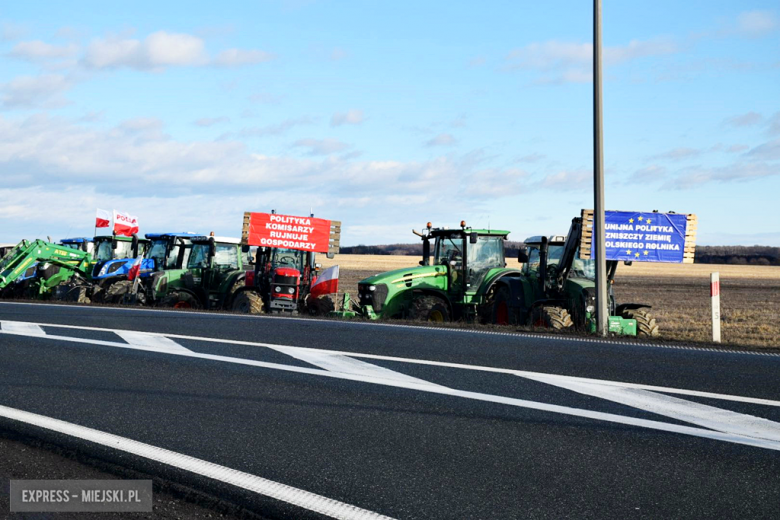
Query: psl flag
[125,224]
[102,218]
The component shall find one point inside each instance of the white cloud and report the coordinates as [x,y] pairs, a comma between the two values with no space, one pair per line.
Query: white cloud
[350,117]
[11,31]
[567,180]
[678,154]
[756,23]
[210,121]
[769,151]
[441,140]
[568,62]
[239,57]
[321,146]
[163,49]
[196,183]
[34,91]
[37,50]
[749,119]
[741,171]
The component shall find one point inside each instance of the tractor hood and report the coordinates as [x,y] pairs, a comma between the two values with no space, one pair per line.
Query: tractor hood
[424,274]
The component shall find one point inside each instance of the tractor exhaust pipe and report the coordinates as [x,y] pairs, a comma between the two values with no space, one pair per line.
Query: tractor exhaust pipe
[542,265]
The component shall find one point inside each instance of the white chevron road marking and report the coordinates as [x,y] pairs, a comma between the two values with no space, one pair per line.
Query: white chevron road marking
[728,427]
[695,413]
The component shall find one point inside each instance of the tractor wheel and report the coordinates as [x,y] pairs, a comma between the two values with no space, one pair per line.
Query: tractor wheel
[556,318]
[248,302]
[180,300]
[321,306]
[116,292]
[645,323]
[429,308]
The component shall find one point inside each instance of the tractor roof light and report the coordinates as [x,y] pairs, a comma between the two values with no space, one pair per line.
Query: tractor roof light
[429,225]
[463,223]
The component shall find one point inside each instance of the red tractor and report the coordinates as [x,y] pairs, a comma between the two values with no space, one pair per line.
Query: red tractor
[281,282]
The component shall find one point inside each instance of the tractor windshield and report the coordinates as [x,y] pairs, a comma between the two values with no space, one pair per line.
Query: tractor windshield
[288,258]
[583,268]
[448,249]
[554,254]
[199,256]
[165,259]
[106,252]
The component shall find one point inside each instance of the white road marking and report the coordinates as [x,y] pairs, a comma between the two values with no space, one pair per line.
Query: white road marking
[21,327]
[359,323]
[695,413]
[427,387]
[509,371]
[298,497]
[151,341]
[346,365]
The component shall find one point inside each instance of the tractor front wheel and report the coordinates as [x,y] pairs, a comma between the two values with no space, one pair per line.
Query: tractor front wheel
[180,300]
[248,302]
[645,323]
[116,292]
[556,318]
[321,306]
[429,308]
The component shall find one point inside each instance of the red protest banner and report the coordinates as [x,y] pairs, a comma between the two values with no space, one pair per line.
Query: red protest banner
[285,231]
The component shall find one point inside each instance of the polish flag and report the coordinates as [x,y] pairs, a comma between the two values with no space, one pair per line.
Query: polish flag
[135,269]
[326,283]
[102,218]
[125,224]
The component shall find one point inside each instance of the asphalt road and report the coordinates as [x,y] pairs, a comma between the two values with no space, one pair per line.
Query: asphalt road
[487,426]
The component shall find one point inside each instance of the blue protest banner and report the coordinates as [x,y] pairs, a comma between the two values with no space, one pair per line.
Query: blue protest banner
[645,237]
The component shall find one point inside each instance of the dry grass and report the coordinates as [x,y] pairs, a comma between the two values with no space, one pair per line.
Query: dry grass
[679,294]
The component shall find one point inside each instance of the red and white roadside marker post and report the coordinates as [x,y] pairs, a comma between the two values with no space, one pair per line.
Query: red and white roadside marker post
[715,296]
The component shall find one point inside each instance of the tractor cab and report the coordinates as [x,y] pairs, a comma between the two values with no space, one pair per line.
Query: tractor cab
[215,265]
[468,254]
[5,249]
[86,245]
[169,250]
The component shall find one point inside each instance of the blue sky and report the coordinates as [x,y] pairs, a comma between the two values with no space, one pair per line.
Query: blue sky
[386,115]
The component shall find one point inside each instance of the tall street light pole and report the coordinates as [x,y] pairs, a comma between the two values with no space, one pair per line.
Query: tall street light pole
[602,311]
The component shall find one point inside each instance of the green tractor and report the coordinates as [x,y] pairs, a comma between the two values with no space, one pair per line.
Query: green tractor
[561,289]
[33,269]
[215,269]
[465,278]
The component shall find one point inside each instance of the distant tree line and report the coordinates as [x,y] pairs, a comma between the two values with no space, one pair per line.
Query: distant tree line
[737,255]
[412,249]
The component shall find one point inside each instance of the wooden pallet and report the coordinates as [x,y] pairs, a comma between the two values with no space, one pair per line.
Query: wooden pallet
[586,238]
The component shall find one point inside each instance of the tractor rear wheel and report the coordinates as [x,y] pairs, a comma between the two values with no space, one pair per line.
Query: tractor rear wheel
[180,300]
[556,318]
[248,302]
[429,308]
[645,323]
[321,306]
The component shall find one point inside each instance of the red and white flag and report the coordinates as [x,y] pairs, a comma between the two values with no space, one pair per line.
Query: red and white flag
[125,224]
[135,269]
[326,283]
[102,218]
